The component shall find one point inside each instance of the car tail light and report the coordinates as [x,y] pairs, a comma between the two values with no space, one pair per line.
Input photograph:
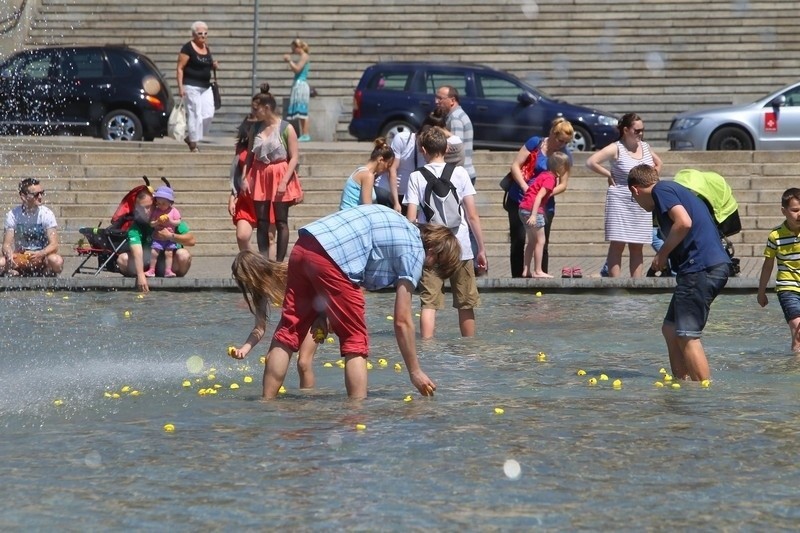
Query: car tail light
[157,104]
[357,104]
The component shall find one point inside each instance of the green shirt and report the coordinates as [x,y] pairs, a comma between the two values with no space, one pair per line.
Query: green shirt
[142,234]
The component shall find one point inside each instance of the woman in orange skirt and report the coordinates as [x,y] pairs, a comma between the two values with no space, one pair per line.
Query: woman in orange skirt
[271,174]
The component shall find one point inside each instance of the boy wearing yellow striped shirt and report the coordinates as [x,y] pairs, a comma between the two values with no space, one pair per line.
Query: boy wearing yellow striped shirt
[783,244]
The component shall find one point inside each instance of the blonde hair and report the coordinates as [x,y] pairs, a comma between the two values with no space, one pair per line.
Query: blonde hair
[558,163]
[562,128]
[261,281]
[443,244]
[302,45]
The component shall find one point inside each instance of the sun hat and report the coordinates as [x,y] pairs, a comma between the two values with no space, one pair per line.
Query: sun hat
[164,193]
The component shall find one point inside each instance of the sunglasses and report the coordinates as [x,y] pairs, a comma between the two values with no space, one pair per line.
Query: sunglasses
[638,131]
[202,33]
[39,194]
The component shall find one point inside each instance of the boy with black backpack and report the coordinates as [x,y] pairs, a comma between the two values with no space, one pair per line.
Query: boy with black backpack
[443,194]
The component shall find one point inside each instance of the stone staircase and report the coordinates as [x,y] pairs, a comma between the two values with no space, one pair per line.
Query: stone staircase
[86,179]
[657,58]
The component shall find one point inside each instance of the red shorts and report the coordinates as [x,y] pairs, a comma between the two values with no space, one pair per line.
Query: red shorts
[316,284]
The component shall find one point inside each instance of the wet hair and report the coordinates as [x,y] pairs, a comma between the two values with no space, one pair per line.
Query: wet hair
[788,194]
[642,176]
[302,45]
[26,184]
[261,281]
[443,244]
[197,24]
[562,127]
[627,121]
[558,163]
[433,140]
[381,149]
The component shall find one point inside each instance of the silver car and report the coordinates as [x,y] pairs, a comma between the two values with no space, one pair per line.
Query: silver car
[771,123]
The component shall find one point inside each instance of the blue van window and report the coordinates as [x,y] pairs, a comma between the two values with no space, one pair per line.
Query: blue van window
[495,88]
[434,80]
[390,81]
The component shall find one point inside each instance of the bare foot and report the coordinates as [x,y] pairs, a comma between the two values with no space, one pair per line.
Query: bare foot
[541,275]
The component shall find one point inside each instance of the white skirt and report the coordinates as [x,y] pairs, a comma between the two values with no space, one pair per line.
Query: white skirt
[625,220]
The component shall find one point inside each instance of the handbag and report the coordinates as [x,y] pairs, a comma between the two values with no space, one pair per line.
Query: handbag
[527,170]
[215,92]
[176,125]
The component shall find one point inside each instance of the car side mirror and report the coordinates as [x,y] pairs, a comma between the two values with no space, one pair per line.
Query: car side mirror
[779,101]
[526,99]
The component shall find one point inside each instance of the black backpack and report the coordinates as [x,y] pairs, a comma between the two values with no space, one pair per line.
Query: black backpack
[441,203]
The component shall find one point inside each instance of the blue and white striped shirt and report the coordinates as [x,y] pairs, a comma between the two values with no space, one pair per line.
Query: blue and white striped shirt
[373,245]
[460,125]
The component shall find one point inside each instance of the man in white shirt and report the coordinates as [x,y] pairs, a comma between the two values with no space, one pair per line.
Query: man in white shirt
[30,239]
[433,142]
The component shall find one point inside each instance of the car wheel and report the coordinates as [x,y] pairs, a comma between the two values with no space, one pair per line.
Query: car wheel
[581,140]
[121,125]
[393,128]
[730,138]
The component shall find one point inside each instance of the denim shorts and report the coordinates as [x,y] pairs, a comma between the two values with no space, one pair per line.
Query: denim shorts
[524,215]
[692,298]
[790,303]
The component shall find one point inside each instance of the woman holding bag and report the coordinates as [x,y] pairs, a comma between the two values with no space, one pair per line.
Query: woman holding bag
[271,174]
[195,65]
[560,135]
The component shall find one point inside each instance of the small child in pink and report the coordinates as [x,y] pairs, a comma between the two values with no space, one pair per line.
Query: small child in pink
[163,216]
[531,212]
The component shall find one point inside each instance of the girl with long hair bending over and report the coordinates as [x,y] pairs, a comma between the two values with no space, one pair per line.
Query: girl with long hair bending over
[271,174]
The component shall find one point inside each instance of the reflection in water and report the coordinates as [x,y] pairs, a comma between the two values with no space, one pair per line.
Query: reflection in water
[561,455]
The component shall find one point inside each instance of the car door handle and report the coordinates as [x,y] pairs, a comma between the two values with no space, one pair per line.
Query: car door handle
[482,108]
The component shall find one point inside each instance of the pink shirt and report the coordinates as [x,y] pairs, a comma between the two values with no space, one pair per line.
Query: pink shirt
[544,180]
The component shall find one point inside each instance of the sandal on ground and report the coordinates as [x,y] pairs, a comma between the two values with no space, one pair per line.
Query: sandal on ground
[567,272]
[576,272]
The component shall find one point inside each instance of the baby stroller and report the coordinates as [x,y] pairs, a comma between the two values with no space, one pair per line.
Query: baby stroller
[718,197]
[106,243]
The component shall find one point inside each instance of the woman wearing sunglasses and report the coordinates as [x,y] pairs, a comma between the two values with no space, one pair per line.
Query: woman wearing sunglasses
[626,222]
[195,65]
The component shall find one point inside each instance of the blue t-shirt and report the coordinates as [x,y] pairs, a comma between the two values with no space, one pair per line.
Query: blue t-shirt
[515,192]
[702,247]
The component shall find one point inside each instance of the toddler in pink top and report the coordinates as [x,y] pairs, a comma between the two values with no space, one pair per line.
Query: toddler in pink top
[531,212]
[163,216]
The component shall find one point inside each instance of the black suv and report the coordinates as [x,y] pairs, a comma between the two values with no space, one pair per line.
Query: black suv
[113,92]
[504,110]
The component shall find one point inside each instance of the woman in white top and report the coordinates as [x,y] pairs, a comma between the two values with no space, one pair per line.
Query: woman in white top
[626,222]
